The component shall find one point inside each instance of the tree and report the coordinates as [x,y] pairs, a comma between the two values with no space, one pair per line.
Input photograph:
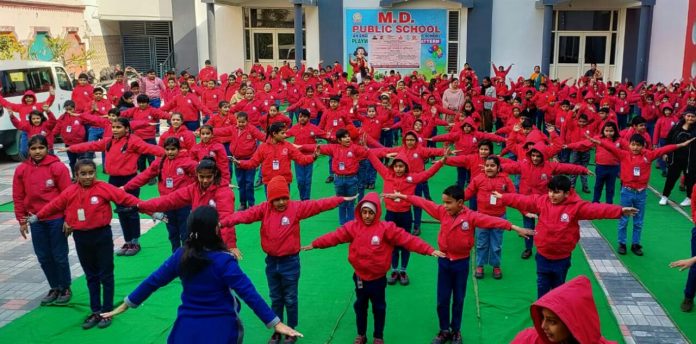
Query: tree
[60,46]
[10,48]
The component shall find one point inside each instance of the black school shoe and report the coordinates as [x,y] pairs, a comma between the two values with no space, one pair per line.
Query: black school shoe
[526,254]
[416,231]
[91,321]
[637,249]
[687,305]
[442,337]
[104,322]
[391,280]
[622,249]
[50,297]
[275,338]
[329,179]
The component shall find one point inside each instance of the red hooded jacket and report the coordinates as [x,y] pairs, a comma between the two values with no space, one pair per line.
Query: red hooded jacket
[24,109]
[122,153]
[456,236]
[36,184]
[93,200]
[635,168]
[187,105]
[274,159]
[574,304]
[482,186]
[186,138]
[557,229]
[243,142]
[371,247]
[216,151]
[45,128]
[280,231]
[173,174]
[151,115]
[71,129]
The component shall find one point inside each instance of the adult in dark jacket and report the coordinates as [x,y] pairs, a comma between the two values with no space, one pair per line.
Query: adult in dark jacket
[681,160]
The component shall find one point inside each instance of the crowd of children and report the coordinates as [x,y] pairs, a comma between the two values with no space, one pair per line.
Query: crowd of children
[386,127]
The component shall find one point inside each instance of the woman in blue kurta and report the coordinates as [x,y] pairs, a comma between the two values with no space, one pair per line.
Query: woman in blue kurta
[209,313]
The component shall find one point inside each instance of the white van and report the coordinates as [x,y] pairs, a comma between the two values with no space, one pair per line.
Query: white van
[17,77]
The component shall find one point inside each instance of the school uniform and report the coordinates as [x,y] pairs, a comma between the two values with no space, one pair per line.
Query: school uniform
[73,131]
[345,164]
[305,135]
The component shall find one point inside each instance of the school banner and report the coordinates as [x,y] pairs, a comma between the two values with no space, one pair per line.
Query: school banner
[403,40]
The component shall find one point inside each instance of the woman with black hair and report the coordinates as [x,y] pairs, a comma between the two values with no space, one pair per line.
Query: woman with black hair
[681,160]
[207,273]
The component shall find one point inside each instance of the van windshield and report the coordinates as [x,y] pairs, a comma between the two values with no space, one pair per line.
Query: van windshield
[16,82]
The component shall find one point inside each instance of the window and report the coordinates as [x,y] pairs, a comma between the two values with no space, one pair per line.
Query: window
[584,20]
[453,42]
[16,82]
[63,79]
[568,49]
[270,18]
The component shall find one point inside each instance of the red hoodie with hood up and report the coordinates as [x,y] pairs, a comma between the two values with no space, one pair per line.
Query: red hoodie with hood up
[370,248]
[24,109]
[573,304]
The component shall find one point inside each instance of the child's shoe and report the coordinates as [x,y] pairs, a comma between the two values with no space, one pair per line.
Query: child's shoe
[442,337]
[637,249]
[622,249]
[663,200]
[585,189]
[686,202]
[50,297]
[391,280]
[104,322]
[457,338]
[122,251]
[687,305]
[91,321]
[329,179]
[378,341]
[526,254]
[497,273]
[132,250]
[360,340]
[403,278]
[275,338]
[63,297]
[258,183]
[290,340]
[416,231]
[478,273]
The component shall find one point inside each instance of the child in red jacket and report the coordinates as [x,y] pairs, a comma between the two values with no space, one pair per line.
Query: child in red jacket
[36,182]
[305,133]
[635,174]
[558,231]
[178,130]
[87,209]
[280,240]
[208,147]
[208,189]
[175,170]
[489,242]
[455,240]
[122,151]
[398,177]
[38,124]
[71,128]
[371,244]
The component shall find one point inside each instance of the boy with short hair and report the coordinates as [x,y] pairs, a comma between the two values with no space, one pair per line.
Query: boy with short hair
[304,133]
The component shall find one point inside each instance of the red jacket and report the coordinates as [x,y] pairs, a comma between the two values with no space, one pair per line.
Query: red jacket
[105,124]
[168,94]
[265,121]
[574,304]
[252,108]
[280,231]
[466,143]
[71,129]
[602,155]
[207,73]
[405,184]
[305,134]
[216,151]
[24,109]
[346,160]
[662,127]
[36,184]
[534,178]
[220,121]
[415,156]
[216,196]
[274,159]
[116,91]
[82,96]
[314,105]
[371,247]
[333,120]
[211,98]
[635,168]
[122,153]
[472,162]
[150,115]
[456,236]
[557,229]
[173,174]
[92,200]
[482,187]
[188,106]
[186,138]
[243,142]
[45,128]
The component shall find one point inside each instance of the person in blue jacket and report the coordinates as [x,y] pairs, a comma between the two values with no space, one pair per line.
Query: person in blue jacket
[207,272]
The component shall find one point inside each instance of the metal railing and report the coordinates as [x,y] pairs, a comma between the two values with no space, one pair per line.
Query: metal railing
[167,64]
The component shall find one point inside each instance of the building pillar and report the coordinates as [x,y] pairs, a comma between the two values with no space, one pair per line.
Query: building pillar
[212,44]
[298,35]
[546,40]
[643,41]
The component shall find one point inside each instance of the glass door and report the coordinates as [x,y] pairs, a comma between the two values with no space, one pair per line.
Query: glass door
[595,51]
[263,47]
[286,46]
[566,58]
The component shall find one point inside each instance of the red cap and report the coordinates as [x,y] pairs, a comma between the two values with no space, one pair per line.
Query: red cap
[278,188]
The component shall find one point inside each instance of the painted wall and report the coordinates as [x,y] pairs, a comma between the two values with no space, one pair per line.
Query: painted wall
[516,35]
[312,41]
[185,35]
[229,37]
[136,9]
[43,18]
[667,40]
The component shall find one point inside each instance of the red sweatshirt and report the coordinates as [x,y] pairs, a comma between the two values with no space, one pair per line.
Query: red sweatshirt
[466,143]
[274,159]
[24,109]
[216,196]
[534,178]
[93,201]
[473,162]
[305,134]
[405,184]
[252,108]
[280,231]
[371,247]
[151,115]
[242,141]
[482,186]
[415,156]
[333,120]
[662,127]
[105,124]
[82,96]
[186,138]
[346,160]
[173,174]
[220,121]
[602,155]
[71,129]
[116,91]
[211,98]
[188,106]
[557,229]
[122,153]
[36,184]
[635,168]
[45,128]
[216,151]
[456,236]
